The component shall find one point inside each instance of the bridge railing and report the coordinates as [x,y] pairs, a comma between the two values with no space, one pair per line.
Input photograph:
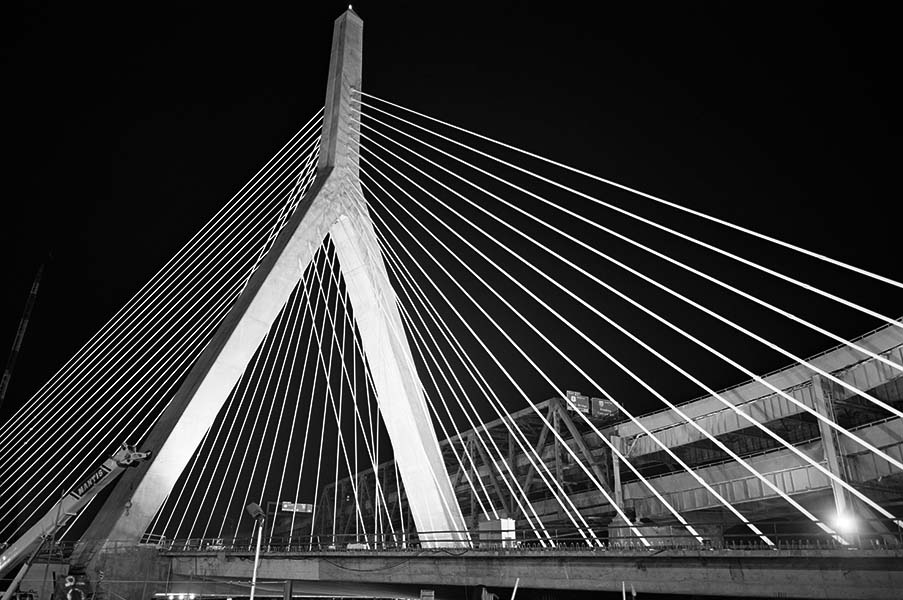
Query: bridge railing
[614,538]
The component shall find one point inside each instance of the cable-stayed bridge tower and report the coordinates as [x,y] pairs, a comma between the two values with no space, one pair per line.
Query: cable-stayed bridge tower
[446,283]
[324,211]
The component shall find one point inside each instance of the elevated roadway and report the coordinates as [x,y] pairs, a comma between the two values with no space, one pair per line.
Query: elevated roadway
[787,471]
[724,573]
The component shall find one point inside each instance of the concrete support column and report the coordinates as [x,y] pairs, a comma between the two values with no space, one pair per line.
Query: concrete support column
[618,443]
[822,398]
[287,590]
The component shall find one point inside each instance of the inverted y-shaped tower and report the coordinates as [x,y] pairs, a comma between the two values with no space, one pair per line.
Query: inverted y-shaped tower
[326,210]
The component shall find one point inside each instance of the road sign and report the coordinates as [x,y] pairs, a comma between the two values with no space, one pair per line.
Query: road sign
[296,507]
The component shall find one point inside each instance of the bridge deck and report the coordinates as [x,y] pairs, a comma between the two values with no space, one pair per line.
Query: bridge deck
[840,361]
[865,574]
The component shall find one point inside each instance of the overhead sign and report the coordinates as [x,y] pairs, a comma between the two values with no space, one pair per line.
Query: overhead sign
[577,401]
[603,408]
[297,507]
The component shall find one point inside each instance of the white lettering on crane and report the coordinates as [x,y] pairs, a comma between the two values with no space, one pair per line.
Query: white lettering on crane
[89,483]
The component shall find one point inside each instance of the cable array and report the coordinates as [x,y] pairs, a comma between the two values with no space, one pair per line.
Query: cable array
[480,252]
[116,386]
[517,278]
[292,430]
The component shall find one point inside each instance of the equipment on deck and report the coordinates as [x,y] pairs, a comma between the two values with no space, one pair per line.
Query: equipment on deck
[59,515]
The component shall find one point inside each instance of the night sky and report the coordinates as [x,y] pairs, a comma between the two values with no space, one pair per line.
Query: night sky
[125,130]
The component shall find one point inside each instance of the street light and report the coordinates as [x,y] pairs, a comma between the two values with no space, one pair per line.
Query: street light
[259,517]
[845,522]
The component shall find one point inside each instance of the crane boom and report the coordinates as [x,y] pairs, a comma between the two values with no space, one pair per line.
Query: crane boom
[69,506]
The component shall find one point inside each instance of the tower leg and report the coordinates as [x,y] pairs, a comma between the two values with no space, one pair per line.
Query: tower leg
[430,495]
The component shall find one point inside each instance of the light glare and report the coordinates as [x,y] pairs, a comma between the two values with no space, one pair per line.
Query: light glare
[845,523]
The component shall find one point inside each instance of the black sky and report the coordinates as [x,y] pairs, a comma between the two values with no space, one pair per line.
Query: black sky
[126,129]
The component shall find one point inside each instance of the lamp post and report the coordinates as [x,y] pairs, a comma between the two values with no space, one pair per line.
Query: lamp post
[259,517]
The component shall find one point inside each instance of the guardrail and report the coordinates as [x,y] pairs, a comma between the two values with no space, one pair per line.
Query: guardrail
[612,538]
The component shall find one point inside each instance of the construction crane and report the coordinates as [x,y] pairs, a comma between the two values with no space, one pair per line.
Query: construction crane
[29,545]
[20,334]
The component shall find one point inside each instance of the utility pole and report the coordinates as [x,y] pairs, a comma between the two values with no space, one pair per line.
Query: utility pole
[259,518]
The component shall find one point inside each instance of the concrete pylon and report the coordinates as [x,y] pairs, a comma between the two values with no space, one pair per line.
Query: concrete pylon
[326,210]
